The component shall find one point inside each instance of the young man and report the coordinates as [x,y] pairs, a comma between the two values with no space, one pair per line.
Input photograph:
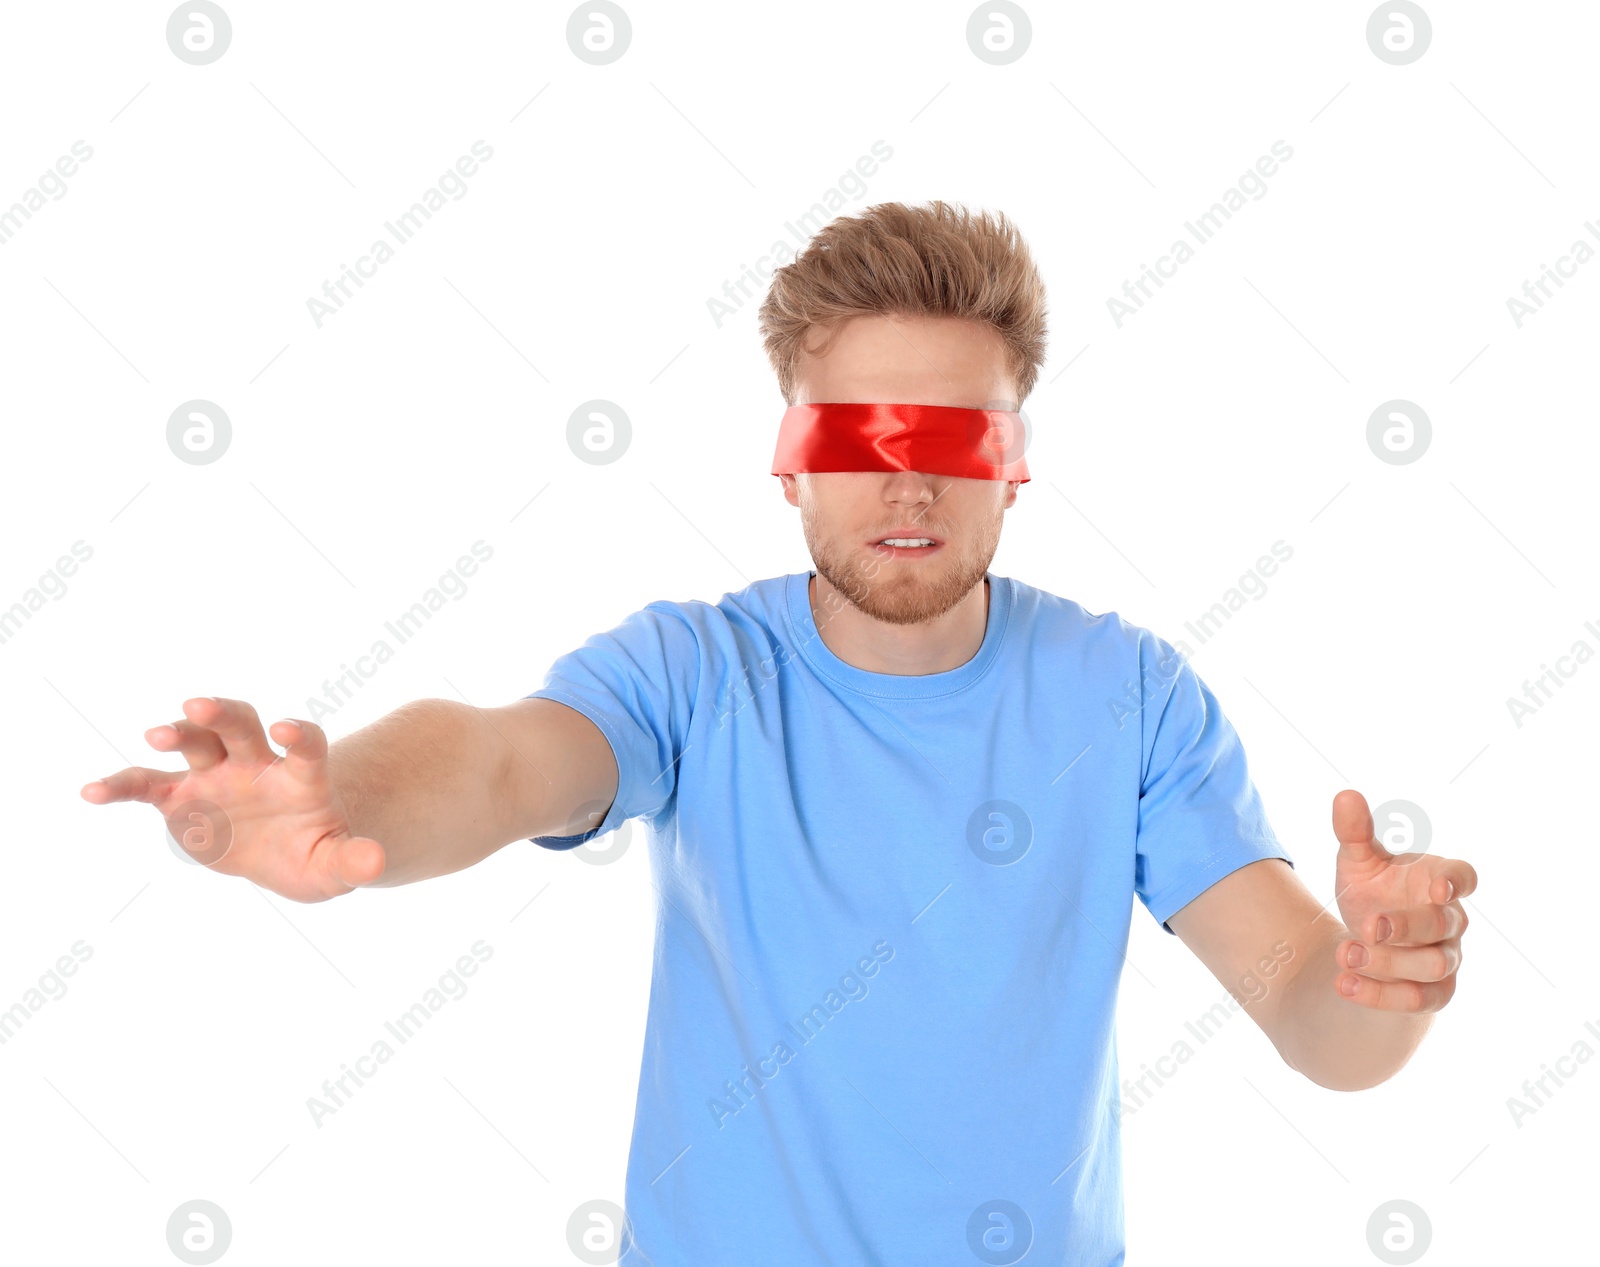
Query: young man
[899,809]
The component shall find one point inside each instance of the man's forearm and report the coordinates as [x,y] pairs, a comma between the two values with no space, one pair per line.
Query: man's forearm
[1334,1042]
[422,782]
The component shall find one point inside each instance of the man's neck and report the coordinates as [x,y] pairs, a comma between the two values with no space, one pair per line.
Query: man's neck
[877,646]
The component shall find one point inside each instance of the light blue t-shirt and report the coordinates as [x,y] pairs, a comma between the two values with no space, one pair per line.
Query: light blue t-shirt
[891,919]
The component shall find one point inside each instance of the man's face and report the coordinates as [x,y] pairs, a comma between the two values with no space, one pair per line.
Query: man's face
[846,514]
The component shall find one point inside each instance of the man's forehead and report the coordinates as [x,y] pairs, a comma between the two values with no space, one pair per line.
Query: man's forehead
[931,361]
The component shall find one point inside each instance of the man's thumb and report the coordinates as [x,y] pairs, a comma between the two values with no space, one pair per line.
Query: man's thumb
[357,860]
[1352,824]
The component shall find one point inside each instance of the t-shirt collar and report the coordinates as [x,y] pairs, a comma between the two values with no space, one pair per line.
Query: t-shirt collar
[803,629]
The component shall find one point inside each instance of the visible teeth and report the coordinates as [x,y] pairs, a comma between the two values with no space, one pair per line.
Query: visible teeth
[906,541]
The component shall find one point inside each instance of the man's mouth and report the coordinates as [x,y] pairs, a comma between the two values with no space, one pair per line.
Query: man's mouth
[906,546]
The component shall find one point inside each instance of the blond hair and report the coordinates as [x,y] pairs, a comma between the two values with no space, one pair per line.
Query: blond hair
[934,260]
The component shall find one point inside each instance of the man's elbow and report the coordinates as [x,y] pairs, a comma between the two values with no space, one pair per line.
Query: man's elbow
[1351,1080]
[1358,1070]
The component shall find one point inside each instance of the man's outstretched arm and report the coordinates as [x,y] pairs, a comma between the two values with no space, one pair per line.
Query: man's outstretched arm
[1347,1000]
[431,788]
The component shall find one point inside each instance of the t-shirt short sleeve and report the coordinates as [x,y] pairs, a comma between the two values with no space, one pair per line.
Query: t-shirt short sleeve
[1200,816]
[637,683]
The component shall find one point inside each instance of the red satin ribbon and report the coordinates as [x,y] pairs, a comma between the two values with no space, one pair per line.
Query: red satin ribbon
[980,444]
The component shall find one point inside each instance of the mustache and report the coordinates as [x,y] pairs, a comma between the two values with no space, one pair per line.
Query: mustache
[923,530]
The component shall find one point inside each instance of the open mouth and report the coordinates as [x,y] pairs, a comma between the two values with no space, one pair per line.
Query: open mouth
[907,547]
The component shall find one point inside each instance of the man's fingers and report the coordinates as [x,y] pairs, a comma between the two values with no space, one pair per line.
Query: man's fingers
[1416,925]
[236,724]
[1454,879]
[200,747]
[307,747]
[1395,996]
[133,784]
[1401,963]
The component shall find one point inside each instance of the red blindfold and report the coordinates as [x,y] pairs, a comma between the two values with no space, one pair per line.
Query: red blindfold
[978,444]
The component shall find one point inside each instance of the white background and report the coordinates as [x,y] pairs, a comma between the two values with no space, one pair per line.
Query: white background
[369,454]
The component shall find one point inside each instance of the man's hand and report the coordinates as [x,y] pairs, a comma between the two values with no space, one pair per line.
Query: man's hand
[1405,909]
[1260,927]
[281,823]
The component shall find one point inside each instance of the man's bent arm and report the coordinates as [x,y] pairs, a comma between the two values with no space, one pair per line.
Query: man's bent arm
[1261,932]
[442,784]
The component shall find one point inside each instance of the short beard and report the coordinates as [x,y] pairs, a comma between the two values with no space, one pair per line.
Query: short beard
[885,591]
